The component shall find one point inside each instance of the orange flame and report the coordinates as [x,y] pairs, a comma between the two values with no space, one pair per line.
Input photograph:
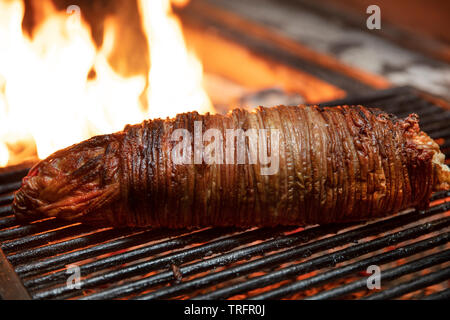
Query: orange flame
[176,74]
[47,98]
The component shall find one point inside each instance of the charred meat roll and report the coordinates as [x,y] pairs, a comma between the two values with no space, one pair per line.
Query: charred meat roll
[297,165]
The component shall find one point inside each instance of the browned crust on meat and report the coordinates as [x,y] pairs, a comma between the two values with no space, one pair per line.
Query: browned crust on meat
[335,165]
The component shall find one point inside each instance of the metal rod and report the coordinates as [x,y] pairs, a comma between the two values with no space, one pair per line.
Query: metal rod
[160,262]
[16,172]
[6,199]
[8,222]
[326,260]
[125,257]
[282,257]
[6,211]
[33,228]
[208,264]
[442,295]
[9,187]
[386,275]
[379,259]
[57,261]
[64,246]
[35,240]
[413,285]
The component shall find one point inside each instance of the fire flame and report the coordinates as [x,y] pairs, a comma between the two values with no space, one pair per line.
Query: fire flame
[175,73]
[48,100]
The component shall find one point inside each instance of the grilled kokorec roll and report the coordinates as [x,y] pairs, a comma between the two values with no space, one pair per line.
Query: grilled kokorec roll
[334,165]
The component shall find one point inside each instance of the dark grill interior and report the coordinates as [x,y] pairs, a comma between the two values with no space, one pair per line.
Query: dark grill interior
[318,262]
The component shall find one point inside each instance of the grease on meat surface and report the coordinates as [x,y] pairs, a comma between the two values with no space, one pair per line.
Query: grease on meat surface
[337,164]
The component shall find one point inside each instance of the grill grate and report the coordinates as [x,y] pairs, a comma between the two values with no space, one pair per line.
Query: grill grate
[319,262]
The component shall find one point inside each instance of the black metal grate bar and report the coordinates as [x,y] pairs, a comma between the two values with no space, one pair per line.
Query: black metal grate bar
[121,258]
[267,261]
[34,240]
[5,211]
[379,259]
[442,295]
[387,275]
[217,261]
[10,187]
[52,249]
[419,283]
[327,260]
[13,231]
[6,199]
[133,239]
[165,261]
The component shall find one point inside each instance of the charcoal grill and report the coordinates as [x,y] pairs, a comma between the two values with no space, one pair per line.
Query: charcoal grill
[318,262]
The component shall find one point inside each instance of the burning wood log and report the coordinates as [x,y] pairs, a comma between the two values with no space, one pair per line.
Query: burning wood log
[282,165]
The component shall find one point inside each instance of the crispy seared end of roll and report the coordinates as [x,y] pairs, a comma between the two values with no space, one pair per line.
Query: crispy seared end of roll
[335,164]
[72,183]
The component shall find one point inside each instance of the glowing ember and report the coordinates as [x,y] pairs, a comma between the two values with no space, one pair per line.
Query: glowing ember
[47,99]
